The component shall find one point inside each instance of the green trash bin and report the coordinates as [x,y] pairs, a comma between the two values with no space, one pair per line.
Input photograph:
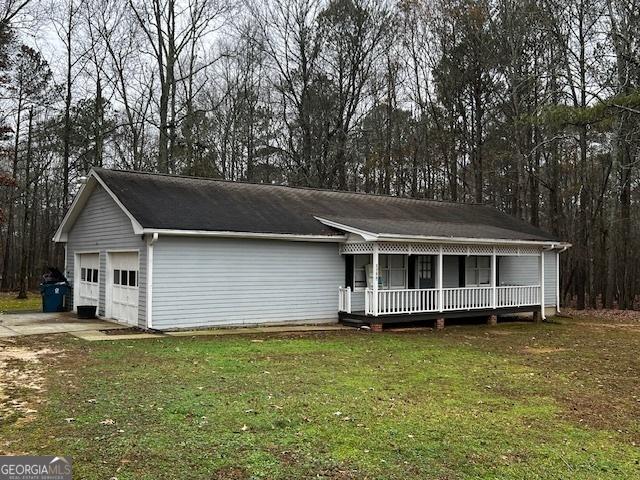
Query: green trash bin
[53,296]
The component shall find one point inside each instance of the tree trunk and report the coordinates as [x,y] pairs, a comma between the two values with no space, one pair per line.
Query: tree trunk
[24,260]
[99,123]
[6,264]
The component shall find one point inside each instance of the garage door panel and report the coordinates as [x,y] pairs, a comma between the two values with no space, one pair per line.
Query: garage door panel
[89,279]
[124,287]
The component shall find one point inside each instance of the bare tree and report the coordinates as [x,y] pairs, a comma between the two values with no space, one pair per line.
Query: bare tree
[170,34]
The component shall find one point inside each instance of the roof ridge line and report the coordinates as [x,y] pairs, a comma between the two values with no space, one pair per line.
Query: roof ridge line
[295,187]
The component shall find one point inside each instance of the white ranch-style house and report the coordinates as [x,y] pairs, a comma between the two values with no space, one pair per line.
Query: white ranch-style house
[168,252]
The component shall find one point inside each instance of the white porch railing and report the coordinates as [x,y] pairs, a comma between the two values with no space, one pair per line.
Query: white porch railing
[468,298]
[407,301]
[518,296]
[426,300]
[344,299]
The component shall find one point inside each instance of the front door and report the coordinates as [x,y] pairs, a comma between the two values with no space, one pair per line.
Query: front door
[424,271]
[123,297]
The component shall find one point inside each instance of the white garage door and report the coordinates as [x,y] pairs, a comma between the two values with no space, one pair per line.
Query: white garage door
[89,286]
[123,297]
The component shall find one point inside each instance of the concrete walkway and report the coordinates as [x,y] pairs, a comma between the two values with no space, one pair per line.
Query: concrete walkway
[19,324]
[97,335]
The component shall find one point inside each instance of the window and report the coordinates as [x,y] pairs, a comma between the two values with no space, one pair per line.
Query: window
[425,267]
[126,278]
[393,271]
[89,275]
[478,271]
[360,263]
[425,277]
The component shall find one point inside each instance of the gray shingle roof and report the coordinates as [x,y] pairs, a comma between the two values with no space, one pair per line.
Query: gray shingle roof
[189,203]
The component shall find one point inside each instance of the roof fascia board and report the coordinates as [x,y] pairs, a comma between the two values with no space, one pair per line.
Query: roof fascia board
[61,233]
[254,235]
[368,236]
[137,228]
[388,237]
[79,200]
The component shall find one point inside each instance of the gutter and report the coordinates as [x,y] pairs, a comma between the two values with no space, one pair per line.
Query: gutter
[257,235]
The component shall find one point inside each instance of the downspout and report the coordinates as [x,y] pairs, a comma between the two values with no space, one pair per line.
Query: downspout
[150,242]
[542,303]
[66,260]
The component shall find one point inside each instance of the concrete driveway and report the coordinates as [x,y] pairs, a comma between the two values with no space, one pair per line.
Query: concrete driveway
[19,324]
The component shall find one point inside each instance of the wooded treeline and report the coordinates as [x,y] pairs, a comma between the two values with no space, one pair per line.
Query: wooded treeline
[529,105]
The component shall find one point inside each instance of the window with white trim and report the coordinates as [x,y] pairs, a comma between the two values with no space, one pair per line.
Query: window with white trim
[125,278]
[477,271]
[89,275]
[393,271]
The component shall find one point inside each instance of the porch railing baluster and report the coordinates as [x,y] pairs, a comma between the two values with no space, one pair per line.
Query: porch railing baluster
[427,300]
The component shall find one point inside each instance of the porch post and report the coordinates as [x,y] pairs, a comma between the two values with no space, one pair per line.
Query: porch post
[494,291]
[376,273]
[439,280]
[542,284]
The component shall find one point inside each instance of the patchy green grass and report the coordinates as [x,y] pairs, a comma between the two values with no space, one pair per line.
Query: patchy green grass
[551,401]
[9,302]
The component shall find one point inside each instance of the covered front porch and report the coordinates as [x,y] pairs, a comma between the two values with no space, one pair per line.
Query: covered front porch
[433,281]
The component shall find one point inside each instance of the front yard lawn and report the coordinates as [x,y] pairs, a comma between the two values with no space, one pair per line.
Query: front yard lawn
[9,302]
[511,402]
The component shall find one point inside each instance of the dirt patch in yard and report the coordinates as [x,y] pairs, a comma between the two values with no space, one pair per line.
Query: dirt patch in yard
[500,333]
[21,380]
[123,331]
[603,326]
[230,473]
[607,317]
[542,350]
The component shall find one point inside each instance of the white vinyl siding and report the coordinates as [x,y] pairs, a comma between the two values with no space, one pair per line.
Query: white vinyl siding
[525,270]
[200,282]
[357,301]
[515,270]
[101,227]
[550,266]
